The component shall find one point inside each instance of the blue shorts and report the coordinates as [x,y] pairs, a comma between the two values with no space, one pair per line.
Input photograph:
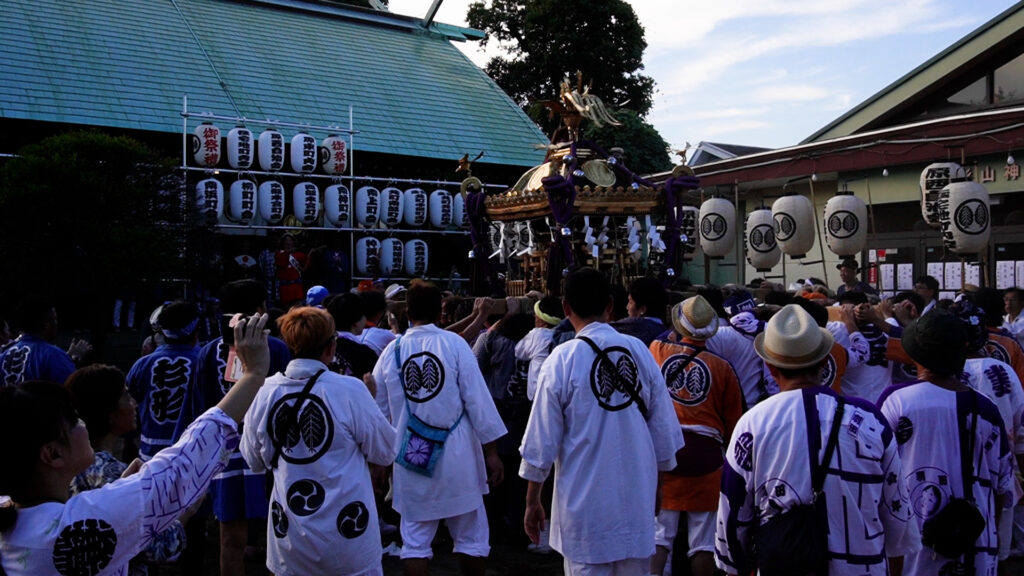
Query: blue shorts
[238,493]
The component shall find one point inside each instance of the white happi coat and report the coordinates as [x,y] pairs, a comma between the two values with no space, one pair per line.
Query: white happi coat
[534,348]
[445,383]
[768,470]
[323,518]
[606,455]
[99,531]
[929,422]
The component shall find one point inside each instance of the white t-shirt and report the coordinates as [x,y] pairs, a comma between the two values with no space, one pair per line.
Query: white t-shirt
[99,531]
[605,454]
[442,382]
[768,471]
[928,422]
[322,517]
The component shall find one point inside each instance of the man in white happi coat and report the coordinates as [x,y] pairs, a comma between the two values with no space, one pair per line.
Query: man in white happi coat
[778,443]
[432,374]
[610,427]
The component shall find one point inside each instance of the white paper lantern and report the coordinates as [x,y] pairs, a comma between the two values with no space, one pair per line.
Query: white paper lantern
[440,209]
[391,206]
[717,227]
[688,230]
[846,224]
[306,202]
[271,201]
[337,205]
[391,252]
[303,153]
[240,148]
[460,216]
[206,145]
[242,201]
[367,256]
[414,211]
[794,225]
[934,178]
[762,250]
[334,155]
[415,258]
[965,217]
[271,150]
[367,205]
[210,200]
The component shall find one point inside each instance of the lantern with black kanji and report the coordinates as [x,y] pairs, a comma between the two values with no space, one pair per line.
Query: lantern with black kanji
[367,256]
[846,219]
[367,206]
[717,227]
[334,155]
[391,252]
[306,202]
[391,206]
[271,200]
[440,209]
[271,150]
[206,145]
[242,201]
[337,205]
[460,216]
[303,154]
[415,258]
[934,178]
[240,148]
[210,200]
[762,250]
[414,211]
[965,217]
[794,225]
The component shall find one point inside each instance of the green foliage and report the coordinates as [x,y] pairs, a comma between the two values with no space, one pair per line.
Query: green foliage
[646,151]
[547,40]
[86,211]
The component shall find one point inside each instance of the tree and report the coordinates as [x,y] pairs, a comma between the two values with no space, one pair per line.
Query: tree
[84,212]
[547,40]
[646,151]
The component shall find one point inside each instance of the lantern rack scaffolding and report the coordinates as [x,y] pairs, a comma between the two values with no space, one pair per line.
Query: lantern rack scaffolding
[351,178]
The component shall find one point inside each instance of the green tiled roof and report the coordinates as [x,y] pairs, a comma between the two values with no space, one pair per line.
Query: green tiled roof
[127,64]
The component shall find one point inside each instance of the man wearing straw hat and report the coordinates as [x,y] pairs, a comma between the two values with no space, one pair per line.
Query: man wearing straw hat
[602,412]
[776,463]
[708,401]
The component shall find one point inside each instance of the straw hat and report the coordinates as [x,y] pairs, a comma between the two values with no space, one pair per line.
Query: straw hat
[793,340]
[695,318]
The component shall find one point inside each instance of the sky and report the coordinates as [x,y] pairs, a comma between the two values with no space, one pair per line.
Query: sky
[770,73]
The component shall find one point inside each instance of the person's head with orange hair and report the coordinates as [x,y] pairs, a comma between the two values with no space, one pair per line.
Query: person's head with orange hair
[309,332]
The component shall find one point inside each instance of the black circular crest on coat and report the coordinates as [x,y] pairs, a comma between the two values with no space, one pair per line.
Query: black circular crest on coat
[305,497]
[423,375]
[353,520]
[606,383]
[84,547]
[310,433]
[688,385]
[278,519]
[904,430]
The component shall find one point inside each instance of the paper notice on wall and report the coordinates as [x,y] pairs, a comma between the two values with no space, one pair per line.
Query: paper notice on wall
[1020,273]
[954,278]
[1005,270]
[905,276]
[888,275]
[947,295]
[935,271]
[972,274]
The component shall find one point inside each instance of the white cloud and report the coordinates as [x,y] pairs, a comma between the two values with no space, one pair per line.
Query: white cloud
[789,93]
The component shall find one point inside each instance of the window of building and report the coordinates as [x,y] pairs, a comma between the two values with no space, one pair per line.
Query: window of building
[976,93]
[1008,84]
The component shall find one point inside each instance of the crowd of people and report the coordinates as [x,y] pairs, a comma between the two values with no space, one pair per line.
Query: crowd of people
[632,429]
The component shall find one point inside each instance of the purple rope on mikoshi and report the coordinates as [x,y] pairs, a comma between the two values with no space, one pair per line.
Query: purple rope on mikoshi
[674,188]
[616,165]
[478,231]
[561,199]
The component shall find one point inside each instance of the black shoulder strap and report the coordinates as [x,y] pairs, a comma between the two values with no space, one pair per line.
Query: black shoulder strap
[290,414]
[627,387]
[818,479]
